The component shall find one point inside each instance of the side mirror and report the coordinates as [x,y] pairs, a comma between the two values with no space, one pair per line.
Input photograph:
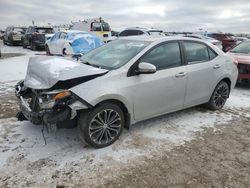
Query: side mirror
[77,57]
[146,68]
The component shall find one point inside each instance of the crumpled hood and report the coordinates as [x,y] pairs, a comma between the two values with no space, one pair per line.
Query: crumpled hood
[44,72]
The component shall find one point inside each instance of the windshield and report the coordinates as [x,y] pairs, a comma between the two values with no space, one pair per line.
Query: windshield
[19,30]
[243,48]
[114,54]
[44,30]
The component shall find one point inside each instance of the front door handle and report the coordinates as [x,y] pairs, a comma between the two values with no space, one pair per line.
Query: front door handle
[180,74]
[217,66]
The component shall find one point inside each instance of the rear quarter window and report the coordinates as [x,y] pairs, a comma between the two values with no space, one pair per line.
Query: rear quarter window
[196,52]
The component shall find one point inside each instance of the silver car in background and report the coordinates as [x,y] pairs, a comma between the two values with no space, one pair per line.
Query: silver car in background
[123,82]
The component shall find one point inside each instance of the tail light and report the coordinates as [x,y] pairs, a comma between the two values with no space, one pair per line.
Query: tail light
[236,62]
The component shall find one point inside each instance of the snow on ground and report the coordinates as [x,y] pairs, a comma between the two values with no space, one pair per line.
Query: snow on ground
[22,143]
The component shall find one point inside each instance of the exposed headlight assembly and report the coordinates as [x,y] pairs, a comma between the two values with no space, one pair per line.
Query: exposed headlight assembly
[49,99]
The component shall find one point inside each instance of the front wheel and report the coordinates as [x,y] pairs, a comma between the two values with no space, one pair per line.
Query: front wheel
[101,126]
[219,96]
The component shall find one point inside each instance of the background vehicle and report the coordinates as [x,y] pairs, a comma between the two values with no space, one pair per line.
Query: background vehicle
[241,53]
[134,31]
[71,42]
[1,34]
[97,27]
[125,81]
[35,37]
[207,39]
[13,35]
[227,41]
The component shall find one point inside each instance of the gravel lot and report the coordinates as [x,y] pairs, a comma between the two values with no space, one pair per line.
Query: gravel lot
[190,148]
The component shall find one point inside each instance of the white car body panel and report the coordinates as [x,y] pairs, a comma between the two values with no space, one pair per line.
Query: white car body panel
[145,95]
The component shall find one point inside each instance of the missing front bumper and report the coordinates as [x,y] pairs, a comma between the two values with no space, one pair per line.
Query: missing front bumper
[47,117]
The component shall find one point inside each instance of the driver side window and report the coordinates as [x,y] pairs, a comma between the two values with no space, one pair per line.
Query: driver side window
[164,56]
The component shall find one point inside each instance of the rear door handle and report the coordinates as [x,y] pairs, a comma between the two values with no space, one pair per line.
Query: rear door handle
[217,66]
[180,74]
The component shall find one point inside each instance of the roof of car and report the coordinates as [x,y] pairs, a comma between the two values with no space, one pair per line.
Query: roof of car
[157,38]
[73,31]
[143,29]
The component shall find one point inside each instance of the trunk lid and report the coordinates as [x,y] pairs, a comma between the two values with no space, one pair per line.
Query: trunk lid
[45,72]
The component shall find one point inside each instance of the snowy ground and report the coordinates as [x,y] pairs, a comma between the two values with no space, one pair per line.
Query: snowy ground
[26,161]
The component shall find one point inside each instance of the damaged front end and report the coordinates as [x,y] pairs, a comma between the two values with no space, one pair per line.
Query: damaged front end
[48,107]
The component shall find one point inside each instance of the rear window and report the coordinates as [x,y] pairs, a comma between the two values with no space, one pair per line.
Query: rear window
[156,33]
[131,33]
[105,26]
[44,30]
[19,30]
[96,26]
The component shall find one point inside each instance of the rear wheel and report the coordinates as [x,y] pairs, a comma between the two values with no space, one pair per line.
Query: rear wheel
[24,46]
[219,96]
[47,50]
[101,126]
[33,46]
[64,51]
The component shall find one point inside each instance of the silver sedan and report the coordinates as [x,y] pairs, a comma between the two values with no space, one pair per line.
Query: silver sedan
[124,82]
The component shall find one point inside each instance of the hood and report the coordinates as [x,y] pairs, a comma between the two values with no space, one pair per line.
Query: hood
[241,58]
[45,72]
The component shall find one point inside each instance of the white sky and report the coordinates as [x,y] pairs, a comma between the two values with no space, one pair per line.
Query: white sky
[178,15]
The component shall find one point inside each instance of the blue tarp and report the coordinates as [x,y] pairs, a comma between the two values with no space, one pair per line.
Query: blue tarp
[84,42]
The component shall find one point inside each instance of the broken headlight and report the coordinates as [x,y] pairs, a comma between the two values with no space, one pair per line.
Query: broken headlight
[48,100]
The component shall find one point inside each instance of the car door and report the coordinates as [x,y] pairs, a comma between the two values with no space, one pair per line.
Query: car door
[203,72]
[163,91]
[60,42]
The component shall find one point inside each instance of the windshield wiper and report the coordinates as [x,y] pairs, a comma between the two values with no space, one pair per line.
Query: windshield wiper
[87,63]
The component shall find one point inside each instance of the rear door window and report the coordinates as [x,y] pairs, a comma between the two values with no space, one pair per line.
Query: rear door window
[196,52]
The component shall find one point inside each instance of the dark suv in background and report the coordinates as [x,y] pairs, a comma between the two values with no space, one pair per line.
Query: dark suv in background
[227,41]
[35,37]
[13,35]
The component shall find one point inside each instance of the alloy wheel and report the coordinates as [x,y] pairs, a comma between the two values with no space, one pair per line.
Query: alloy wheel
[105,126]
[221,95]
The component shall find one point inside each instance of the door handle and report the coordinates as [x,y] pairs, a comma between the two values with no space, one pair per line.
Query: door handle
[217,66]
[180,74]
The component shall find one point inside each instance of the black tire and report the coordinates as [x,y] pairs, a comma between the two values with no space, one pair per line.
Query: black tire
[64,51]
[47,50]
[100,134]
[24,46]
[219,96]
[33,47]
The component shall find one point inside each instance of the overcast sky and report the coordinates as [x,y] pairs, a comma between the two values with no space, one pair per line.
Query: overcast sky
[177,15]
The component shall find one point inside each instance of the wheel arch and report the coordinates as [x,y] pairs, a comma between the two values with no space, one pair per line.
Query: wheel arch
[228,81]
[124,108]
